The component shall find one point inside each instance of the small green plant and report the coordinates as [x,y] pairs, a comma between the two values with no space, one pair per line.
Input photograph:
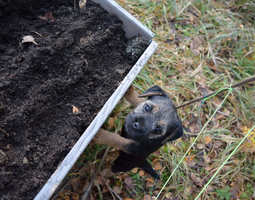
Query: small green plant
[224,193]
[248,192]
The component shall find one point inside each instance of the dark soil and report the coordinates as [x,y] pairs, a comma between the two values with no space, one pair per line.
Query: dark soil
[79,60]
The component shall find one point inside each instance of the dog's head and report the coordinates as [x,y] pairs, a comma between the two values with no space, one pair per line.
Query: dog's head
[155,120]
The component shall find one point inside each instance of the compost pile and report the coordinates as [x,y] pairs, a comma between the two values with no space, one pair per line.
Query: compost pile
[53,85]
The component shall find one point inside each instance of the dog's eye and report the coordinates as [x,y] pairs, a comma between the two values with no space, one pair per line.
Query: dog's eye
[158,130]
[147,108]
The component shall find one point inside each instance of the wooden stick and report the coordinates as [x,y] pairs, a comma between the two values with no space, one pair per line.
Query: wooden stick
[208,95]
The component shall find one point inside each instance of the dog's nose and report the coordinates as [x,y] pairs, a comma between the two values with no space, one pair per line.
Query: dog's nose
[136,125]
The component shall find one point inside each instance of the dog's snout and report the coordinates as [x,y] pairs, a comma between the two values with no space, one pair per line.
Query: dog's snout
[136,125]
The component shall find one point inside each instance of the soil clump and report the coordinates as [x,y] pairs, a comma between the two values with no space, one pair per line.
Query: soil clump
[76,61]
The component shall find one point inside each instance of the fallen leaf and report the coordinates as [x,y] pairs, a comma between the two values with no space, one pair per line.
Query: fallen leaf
[147,197]
[208,139]
[101,180]
[141,173]
[75,110]
[217,144]
[149,184]
[207,159]
[28,39]
[83,187]
[157,165]
[200,146]
[189,158]
[168,195]
[75,196]
[235,190]
[134,170]
[107,173]
[111,123]
[75,183]
[129,182]
[208,169]
[196,46]
[117,189]
[197,180]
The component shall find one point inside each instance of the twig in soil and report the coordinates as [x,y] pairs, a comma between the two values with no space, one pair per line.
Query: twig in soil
[84,196]
[38,34]
[4,131]
[208,95]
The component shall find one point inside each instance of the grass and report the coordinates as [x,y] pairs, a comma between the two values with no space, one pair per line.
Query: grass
[222,33]
[203,46]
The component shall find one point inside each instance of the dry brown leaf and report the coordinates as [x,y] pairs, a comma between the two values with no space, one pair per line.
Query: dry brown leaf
[235,190]
[149,184]
[192,163]
[200,146]
[75,196]
[101,180]
[196,46]
[111,123]
[117,189]
[189,158]
[129,182]
[217,144]
[168,195]
[147,197]
[76,183]
[207,159]
[197,180]
[208,169]
[208,139]
[135,170]
[220,116]
[107,172]
[157,166]
[195,128]
[185,122]
[150,180]
[141,173]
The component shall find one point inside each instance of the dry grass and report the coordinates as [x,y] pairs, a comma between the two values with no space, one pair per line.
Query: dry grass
[203,47]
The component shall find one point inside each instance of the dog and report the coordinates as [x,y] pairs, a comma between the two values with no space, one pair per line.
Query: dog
[152,123]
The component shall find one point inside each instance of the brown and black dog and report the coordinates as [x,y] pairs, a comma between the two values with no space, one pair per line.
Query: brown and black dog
[150,125]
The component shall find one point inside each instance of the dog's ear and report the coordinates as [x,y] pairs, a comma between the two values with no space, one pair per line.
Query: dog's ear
[153,91]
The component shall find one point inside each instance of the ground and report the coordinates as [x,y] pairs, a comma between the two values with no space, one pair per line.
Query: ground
[203,46]
[53,87]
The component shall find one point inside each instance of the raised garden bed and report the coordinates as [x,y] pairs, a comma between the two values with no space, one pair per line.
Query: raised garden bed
[51,90]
